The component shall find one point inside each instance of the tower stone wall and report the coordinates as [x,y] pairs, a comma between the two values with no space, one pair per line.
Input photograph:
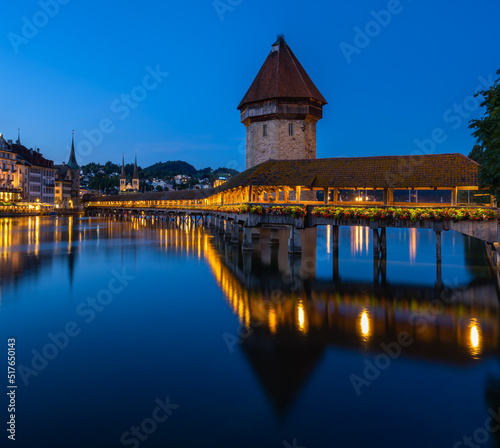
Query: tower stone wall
[272,140]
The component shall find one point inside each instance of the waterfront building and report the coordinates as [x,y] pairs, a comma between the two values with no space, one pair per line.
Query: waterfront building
[40,185]
[67,192]
[64,182]
[280,110]
[10,190]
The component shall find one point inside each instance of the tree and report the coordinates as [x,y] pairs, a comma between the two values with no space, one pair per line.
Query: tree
[487,133]
[477,154]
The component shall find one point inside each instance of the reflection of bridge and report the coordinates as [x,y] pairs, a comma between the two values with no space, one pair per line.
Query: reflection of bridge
[291,317]
[302,182]
[260,293]
[244,228]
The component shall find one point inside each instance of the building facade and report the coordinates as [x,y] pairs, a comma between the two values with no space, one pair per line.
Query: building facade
[280,110]
[41,175]
[10,189]
[27,176]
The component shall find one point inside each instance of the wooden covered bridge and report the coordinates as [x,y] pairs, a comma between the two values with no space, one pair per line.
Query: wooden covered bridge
[297,194]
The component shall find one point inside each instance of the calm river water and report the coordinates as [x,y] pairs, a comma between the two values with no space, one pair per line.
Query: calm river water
[137,333]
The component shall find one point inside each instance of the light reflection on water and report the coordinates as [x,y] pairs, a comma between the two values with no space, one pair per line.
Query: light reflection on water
[297,319]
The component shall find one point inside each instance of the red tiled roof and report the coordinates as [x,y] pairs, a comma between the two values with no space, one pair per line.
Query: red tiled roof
[399,172]
[33,157]
[436,170]
[281,76]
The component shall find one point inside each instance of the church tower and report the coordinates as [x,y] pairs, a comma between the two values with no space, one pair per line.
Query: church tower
[75,173]
[135,179]
[281,109]
[72,163]
[123,177]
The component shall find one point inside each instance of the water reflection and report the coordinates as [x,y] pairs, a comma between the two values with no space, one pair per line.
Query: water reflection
[357,313]
[360,240]
[292,317]
[364,323]
[475,339]
[413,233]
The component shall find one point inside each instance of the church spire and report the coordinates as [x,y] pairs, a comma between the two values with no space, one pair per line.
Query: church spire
[123,176]
[135,179]
[72,157]
[136,172]
[18,136]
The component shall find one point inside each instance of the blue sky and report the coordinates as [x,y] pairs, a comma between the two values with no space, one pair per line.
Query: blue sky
[407,80]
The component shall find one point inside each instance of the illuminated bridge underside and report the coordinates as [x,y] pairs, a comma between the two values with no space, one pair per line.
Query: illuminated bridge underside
[301,182]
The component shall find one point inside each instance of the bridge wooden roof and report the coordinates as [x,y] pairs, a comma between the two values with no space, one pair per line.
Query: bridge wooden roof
[429,171]
[399,172]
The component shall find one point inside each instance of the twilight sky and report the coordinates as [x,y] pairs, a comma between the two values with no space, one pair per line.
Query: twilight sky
[101,68]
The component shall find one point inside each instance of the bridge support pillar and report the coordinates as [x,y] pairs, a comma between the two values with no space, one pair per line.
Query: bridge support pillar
[247,263]
[335,238]
[247,239]
[221,225]
[438,246]
[275,238]
[383,241]
[294,245]
[227,229]
[235,233]
[255,233]
[335,253]
[379,255]
[376,244]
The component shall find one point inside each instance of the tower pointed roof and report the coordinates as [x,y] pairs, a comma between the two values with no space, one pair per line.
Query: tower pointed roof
[281,76]
[18,136]
[123,176]
[72,157]
[136,172]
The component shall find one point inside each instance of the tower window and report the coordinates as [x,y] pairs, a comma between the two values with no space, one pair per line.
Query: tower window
[290,129]
[264,130]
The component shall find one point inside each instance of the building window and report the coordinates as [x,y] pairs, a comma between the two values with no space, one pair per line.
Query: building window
[290,129]
[264,130]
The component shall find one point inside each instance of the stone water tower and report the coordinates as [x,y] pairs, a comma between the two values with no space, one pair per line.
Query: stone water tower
[281,109]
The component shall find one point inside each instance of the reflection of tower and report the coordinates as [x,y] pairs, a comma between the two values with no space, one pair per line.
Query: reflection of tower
[123,178]
[281,109]
[282,363]
[135,179]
